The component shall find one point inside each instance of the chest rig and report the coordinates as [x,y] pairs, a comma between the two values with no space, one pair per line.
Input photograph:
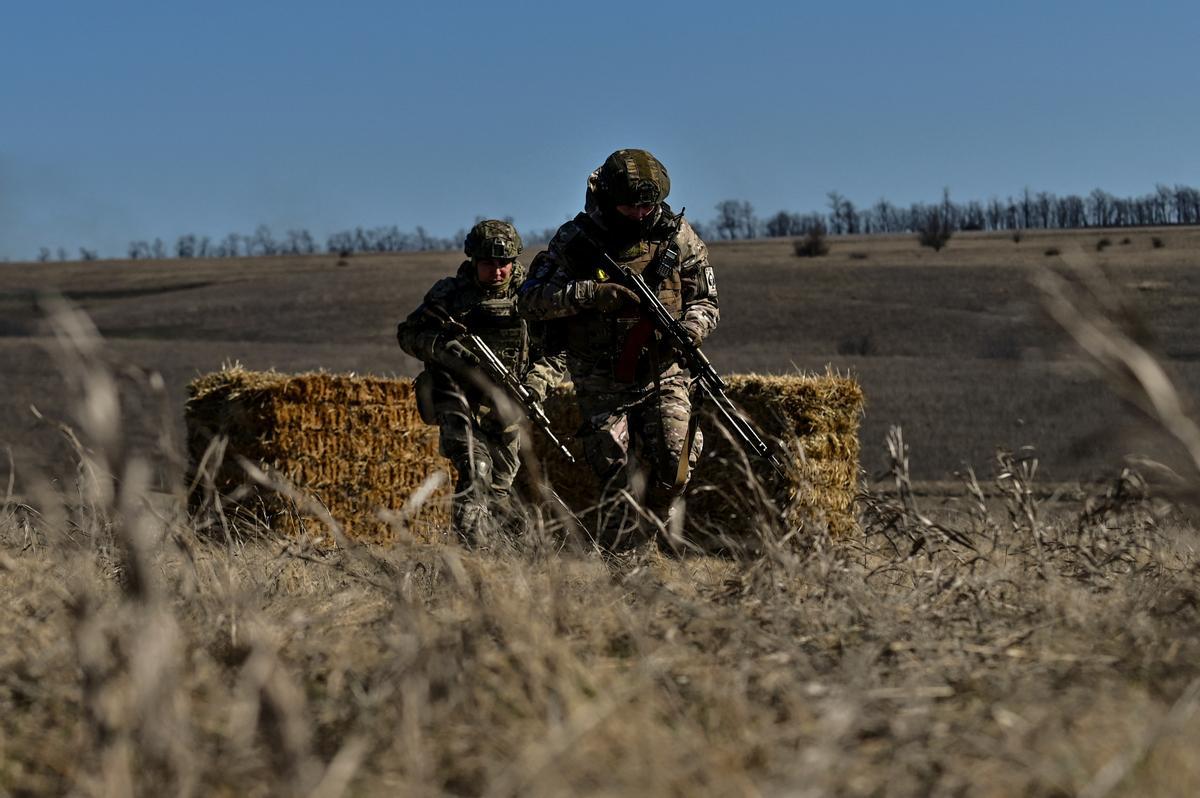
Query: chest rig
[494,319]
[607,339]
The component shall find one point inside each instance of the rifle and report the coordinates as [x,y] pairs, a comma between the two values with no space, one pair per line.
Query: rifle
[697,362]
[499,375]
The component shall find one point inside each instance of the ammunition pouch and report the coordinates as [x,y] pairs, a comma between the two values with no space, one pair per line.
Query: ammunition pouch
[423,390]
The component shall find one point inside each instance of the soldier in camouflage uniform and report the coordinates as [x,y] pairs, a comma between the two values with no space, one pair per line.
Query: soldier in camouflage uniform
[480,432]
[632,391]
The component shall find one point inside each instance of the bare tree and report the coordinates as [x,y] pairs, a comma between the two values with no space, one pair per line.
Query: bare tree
[299,242]
[229,246]
[262,243]
[185,247]
[736,219]
[837,224]
[781,225]
[1100,207]
[972,217]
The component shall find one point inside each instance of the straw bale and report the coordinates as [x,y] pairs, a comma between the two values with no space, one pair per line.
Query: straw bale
[357,444]
[814,420]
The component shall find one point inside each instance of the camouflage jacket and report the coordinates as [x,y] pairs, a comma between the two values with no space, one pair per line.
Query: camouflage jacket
[522,345]
[562,276]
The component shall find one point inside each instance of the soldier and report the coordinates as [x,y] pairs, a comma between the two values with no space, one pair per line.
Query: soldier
[480,432]
[632,391]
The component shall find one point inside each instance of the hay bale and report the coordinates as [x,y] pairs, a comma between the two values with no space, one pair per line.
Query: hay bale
[815,419]
[357,444]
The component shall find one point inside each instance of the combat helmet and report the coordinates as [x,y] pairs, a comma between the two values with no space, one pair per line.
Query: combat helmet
[633,177]
[493,239]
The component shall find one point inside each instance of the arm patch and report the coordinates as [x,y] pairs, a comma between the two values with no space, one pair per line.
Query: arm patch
[706,282]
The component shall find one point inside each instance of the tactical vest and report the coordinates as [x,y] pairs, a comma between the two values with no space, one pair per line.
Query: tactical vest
[494,319]
[597,338]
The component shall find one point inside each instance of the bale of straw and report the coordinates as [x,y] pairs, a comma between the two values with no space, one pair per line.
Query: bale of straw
[813,418]
[357,445]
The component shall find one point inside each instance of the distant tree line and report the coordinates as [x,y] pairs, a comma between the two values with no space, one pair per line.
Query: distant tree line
[263,242]
[388,238]
[735,220]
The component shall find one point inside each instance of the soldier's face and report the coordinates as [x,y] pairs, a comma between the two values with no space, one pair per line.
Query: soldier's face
[636,212]
[492,271]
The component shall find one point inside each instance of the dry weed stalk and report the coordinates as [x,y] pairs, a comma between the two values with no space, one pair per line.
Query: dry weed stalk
[1015,477]
[1090,311]
[138,718]
[904,518]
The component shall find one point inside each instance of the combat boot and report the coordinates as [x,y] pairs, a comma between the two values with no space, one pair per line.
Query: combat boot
[473,523]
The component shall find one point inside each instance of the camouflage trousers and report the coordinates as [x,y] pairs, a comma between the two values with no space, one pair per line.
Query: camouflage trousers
[485,457]
[633,437]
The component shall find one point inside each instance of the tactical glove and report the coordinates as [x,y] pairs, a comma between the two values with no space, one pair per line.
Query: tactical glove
[454,354]
[537,388]
[611,299]
[695,337]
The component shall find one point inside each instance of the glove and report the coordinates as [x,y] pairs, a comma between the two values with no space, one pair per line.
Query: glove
[611,299]
[693,335]
[454,354]
[538,389]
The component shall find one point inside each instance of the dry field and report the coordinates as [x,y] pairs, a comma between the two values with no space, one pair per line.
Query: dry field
[988,644]
[969,650]
[952,344]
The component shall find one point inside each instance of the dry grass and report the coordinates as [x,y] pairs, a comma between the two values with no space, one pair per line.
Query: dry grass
[965,650]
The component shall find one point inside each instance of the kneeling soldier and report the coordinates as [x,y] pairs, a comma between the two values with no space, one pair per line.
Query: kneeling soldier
[480,430]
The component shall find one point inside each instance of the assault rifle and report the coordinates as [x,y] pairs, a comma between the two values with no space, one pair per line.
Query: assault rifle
[697,363]
[499,374]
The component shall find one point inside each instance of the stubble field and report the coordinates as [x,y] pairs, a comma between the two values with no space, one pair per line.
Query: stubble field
[951,345]
[989,645]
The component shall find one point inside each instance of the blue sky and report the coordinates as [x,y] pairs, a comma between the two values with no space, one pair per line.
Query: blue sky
[134,120]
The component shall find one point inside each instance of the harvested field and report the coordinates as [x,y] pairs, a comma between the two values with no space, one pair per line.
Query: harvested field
[1010,653]
[358,446]
[952,345]
[988,645]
